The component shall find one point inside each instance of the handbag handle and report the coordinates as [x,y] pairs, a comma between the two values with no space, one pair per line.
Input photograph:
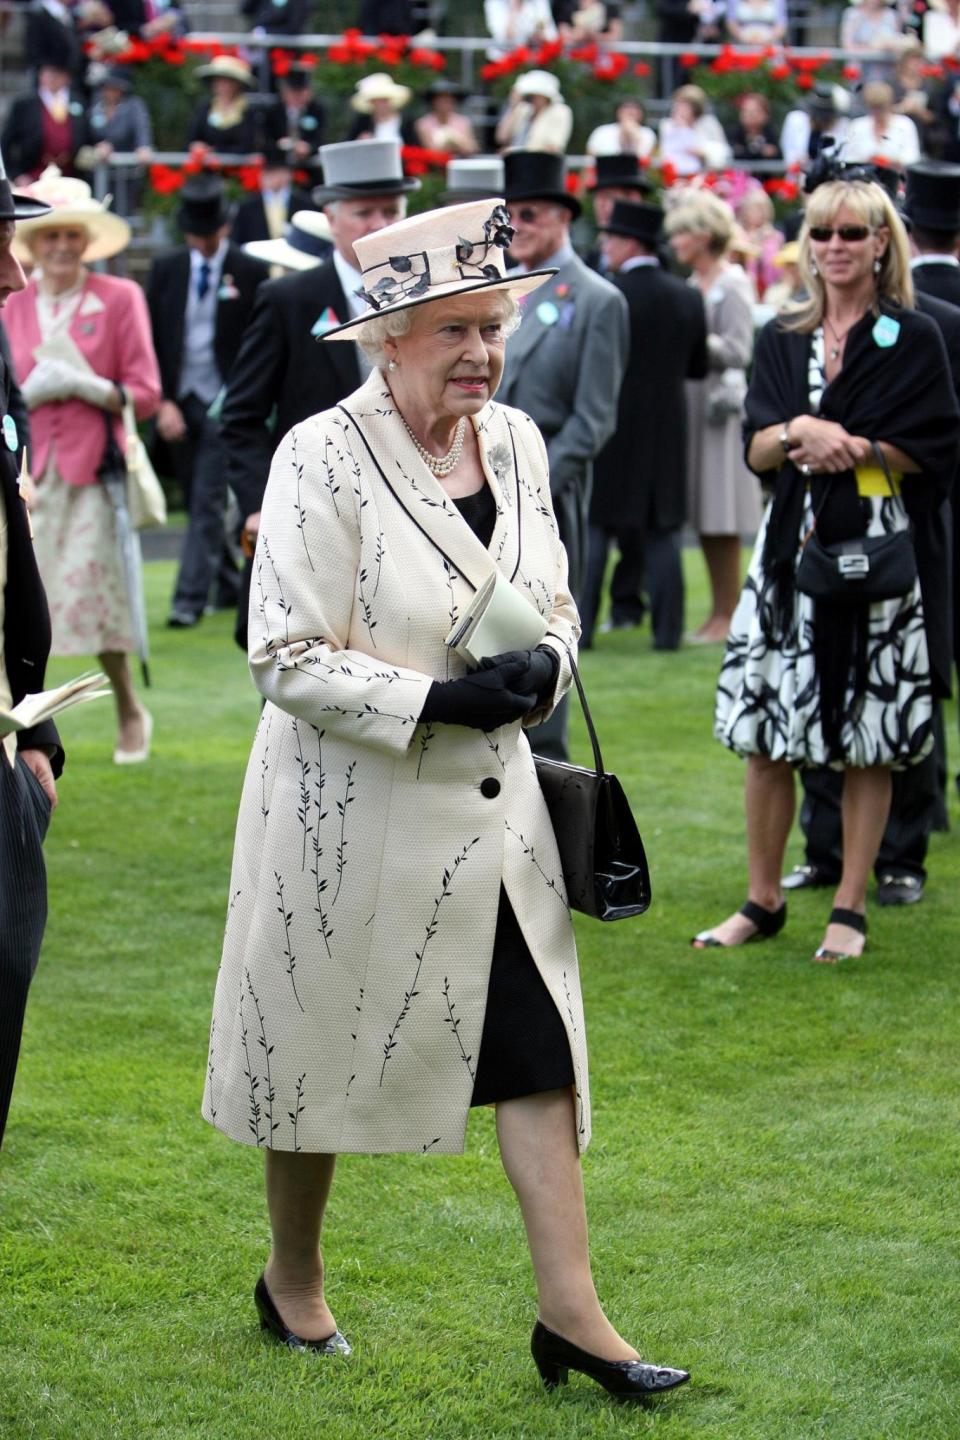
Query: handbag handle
[881,460]
[591,730]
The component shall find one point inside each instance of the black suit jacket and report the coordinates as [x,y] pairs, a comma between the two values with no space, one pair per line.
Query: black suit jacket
[26,619]
[938,278]
[283,374]
[167,293]
[310,127]
[250,221]
[936,535]
[639,476]
[22,140]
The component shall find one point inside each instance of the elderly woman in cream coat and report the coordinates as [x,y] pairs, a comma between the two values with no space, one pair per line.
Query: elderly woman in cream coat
[398,943]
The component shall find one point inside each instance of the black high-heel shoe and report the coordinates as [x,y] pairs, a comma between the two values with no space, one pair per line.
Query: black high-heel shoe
[627,1379]
[272,1320]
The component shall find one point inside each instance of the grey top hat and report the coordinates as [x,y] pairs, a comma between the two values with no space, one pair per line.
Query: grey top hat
[355,168]
[18,207]
[476,178]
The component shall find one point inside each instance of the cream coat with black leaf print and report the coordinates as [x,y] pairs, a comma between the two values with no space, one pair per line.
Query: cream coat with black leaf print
[369,853]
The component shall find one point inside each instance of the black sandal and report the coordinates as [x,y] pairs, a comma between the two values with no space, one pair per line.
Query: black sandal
[768,923]
[855,921]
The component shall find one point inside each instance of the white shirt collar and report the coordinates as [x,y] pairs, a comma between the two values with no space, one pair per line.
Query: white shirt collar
[636,261]
[215,261]
[933,260]
[350,281]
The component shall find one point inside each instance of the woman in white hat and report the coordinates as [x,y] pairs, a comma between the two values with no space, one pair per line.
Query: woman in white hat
[536,117]
[225,120]
[81,344]
[378,101]
[399,946]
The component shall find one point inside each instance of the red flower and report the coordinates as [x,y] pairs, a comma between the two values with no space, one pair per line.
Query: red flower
[689,61]
[641,68]
[780,72]
[588,54]
[805,81]
[932,72]
[572,183]
[669,172]
[164,179]
[851,72]
[610,67]
[550,50]
[417,160]
[427,59]
[249,176]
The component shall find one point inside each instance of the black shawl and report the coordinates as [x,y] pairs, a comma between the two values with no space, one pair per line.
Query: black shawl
[902,394]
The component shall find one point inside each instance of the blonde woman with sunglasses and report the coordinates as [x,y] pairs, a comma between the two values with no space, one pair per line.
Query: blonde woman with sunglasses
[848,385]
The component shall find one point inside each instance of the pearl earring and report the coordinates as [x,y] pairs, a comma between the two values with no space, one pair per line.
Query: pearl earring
[393,365]
[877,267]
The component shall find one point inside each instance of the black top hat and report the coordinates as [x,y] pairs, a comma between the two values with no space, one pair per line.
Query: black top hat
[275,155]
[18,207]
[298,77]
[821,102]
[933,195]
[537,175]
[635,221]
[203,206]
[444,87]
[616,171]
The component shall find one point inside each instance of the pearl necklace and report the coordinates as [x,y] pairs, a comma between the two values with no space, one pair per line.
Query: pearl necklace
[441,465]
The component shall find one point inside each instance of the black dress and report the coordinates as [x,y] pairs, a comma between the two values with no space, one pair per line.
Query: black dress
[524,1047]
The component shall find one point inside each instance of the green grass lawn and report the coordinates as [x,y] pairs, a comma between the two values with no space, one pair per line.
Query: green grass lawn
[772,1184]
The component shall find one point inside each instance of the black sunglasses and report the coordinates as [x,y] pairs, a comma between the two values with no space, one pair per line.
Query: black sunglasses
[524,213]
[849,234]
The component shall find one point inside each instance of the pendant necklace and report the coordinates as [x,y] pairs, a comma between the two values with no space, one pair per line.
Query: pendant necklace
[839,339]
[441,465]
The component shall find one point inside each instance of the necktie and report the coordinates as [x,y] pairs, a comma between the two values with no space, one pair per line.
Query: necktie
[203,279]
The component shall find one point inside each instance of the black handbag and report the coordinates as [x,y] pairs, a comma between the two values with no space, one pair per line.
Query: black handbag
[601,853]
[859,571]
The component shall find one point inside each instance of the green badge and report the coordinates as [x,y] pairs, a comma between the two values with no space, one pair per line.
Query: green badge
[10,432]
[886,332]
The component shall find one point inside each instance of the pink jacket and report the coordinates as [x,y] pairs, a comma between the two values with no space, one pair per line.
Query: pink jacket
[111,328]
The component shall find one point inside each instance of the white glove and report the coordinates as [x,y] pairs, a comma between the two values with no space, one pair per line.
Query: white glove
[94,389]
[49,380]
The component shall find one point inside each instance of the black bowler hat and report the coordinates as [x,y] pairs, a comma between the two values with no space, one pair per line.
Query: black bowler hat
[537,175]
[297,77]
[203,206]
[619,171]
[933,195]
[635,221]
[18,207]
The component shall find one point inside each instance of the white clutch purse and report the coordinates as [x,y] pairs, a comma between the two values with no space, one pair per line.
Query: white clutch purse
[497,619]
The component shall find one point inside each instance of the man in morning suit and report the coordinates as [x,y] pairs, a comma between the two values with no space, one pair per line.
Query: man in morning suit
[638,490]
[615,177]
[565,363]
[283,374]
[265,216]
[200,297]
[30,760]
[932,210]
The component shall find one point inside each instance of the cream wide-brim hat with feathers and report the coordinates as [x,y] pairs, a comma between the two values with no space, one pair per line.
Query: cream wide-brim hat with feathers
[71,203]
[434,256]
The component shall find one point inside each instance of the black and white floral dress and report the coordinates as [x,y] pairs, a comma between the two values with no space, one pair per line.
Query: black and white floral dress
[768,695]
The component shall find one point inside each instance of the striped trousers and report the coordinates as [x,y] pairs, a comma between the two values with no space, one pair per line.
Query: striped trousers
[24,817]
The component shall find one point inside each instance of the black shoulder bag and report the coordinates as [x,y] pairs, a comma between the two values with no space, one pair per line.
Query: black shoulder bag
[601,853]
[862,570]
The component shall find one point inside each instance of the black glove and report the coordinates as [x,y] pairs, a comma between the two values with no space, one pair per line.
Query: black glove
[483,699]
[539,676]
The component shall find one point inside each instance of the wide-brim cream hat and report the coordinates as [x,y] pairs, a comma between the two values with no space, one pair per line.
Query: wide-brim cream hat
[307,242]
[227,67]
[433,256]
[538,82]
[71,203]
[380,86]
